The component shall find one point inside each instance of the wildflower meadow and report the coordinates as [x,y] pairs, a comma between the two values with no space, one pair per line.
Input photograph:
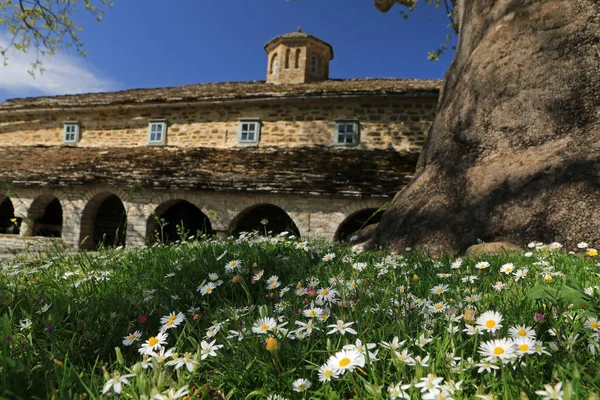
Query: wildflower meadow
[281,318]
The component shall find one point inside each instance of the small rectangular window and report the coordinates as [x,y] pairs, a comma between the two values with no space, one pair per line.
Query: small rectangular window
[346,133]
[71,132]
[157,132]
[249,132]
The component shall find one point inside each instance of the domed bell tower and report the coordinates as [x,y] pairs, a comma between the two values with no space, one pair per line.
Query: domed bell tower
[297,57]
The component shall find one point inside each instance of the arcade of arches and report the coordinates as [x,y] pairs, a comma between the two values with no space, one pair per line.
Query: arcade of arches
[88,218]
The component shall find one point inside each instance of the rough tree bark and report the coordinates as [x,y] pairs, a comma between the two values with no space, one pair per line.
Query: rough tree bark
[514,151]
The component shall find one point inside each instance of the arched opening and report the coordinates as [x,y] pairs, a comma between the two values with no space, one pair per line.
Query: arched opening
[175,220]
[103,222]
[356,222]
[264,218]
[287,58]
[274,64]
[47,216]
[9,224]
[297,60]
[314,64]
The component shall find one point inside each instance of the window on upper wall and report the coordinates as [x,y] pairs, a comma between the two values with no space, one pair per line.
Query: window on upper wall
[346,133]
[71,132]
[314,64]
[157,132]
[297,59]
[249,131]
[274,64]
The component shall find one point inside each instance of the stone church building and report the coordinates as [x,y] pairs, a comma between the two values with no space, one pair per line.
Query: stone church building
[298,152]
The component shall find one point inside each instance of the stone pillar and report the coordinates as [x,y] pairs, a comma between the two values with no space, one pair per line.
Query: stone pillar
[137,219]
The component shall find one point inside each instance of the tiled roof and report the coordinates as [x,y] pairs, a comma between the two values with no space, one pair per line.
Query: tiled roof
[314,171]
[231,91]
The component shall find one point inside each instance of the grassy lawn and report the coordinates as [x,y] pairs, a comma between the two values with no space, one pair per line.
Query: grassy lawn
[274,318]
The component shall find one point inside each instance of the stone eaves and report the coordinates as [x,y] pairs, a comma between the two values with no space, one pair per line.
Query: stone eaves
[228,91]
[308,171]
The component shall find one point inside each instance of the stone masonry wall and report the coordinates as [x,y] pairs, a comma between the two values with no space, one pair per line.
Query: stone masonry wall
[399,123]
[315,217]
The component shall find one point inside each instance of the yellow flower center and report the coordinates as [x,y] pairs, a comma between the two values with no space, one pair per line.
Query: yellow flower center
[594,324]
[490,324]
[439,290]
[522,332]
[264,327]
[170,323]
[152,341]
[524,347]
[172,318]
[328,373]
[471,298]
[438,306]
[499,350]
[208,289]
[325,292]
[312,313]
[131,337]
[324,315]
[301,386]
[344,362]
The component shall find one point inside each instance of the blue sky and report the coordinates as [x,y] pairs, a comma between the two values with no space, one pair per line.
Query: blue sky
[154,43]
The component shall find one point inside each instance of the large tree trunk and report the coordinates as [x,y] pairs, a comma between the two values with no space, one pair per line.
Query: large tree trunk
[514,151]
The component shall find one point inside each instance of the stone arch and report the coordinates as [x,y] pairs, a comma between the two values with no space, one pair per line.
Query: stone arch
[9,224]
[252,219]
[103,222]
[177,213]
[45,216]
[356,221]
[297,59]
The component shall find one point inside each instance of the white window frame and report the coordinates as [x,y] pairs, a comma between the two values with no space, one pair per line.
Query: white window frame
[355,134]
[68,125]
[163,138]
[253,122]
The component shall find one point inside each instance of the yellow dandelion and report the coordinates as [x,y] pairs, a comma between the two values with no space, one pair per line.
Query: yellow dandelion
[272,344]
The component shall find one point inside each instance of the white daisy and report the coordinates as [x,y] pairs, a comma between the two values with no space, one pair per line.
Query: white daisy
[482,265]
[499,349]
[439,289]
[301,385]
[507,268]
[524,345]
[264,325]
[346,360]
[328,257]
[132,338]
[154,343]
[520,331]
[326,373]
[489,321]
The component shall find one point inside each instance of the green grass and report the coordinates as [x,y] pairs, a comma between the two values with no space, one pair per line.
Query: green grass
[82,307]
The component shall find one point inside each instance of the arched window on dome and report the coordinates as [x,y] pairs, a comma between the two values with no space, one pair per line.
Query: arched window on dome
[297,60]
[314,64]
[287,59]
[274,64]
